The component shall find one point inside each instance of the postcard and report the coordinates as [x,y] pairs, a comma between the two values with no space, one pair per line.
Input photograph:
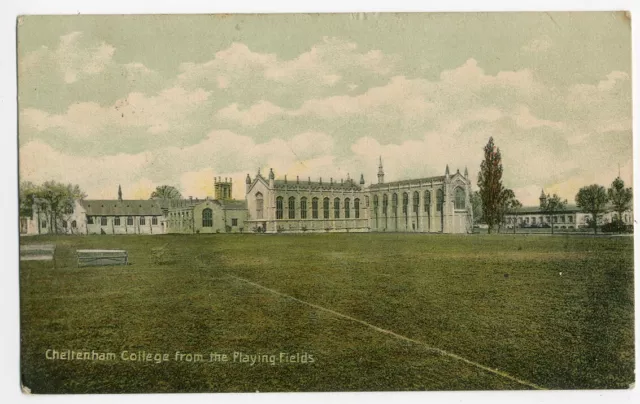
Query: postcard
[325,202]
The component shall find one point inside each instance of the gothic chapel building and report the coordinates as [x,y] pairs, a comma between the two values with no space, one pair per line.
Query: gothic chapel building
[439,204]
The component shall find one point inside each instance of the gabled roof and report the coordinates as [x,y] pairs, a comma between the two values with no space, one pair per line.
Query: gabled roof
[114,207]
[438,178]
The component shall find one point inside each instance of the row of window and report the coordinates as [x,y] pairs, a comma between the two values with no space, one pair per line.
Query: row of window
[43,224]
[459,201]
[207,218]
[541,219]
[117,220]
[291,208]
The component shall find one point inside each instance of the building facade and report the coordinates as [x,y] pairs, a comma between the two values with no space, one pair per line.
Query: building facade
[428,205]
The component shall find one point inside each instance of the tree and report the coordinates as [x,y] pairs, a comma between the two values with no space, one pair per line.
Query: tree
[593,199]
[508,205]
[166,192]
[28,193]
[550,205]
[620,197]
[476,207]
[55,200]
[490,184]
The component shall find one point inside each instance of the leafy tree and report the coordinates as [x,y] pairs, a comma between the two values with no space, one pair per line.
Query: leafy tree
[551,205]
[620,197]
[508,205]
[28,193]
[54,200]
[476,207]
[166,192]
[592,199]
[490,184]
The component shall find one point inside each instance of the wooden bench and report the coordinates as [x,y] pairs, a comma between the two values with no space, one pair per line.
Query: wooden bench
[37,252]
[88,258]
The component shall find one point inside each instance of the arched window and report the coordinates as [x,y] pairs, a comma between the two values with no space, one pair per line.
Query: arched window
[325,208]
[416,201]
[279,208]
[375,203]
[314,208]
[259,206]
[129,221]
[356,207]
[439,200]
[292,207]
[405,203]
[207,218]
[74,224]
[303,208]
[385,203]
[394,204]
[336,208]
[427,201]
[347,213]
[459,198]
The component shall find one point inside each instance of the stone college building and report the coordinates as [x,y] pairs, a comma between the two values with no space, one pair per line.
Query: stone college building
[439,204]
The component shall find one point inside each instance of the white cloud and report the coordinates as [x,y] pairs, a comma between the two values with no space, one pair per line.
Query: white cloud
[526,120]
[253,116]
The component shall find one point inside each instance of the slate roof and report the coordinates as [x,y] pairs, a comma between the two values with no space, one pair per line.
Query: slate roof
[438,178]
[112,207]
[233,204]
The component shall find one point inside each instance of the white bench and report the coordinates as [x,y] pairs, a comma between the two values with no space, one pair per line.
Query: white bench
[102,257]
[37,252]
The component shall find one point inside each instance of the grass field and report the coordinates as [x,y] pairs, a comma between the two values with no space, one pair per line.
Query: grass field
[554,312]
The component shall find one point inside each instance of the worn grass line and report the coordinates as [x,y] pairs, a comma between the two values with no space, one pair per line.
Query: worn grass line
[393,334]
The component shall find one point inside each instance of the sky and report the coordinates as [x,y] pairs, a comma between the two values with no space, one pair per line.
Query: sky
[143,101]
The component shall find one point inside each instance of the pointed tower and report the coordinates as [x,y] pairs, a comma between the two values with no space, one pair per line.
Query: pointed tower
[380,172]
[446,172]
[543,198]
[247,182]
[361,179]
[466,172]
[119,193]
[272,178]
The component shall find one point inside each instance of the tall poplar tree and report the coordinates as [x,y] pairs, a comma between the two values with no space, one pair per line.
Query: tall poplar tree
[490,184]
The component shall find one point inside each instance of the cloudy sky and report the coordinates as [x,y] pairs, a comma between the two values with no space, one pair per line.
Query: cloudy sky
[177,100]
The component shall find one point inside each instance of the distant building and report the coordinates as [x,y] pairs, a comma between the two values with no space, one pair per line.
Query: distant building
[571,217]
[438,204]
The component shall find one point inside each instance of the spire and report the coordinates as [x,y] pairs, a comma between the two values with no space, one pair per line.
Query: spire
[119,193]
[446,172]
[466,172]
[248,180]
[272,176]
[361,179]
[380,172]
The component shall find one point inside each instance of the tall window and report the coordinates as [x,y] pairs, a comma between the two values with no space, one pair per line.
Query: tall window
[292,207]
[347,213]
[64,224]
[129,220]
[234,222]
[303,208]
[116,221]
[154,220]
[259,205]
[427,201]
[279,208]
[375,203]
[103,221]
[142,220]
[314,208]
[74,224]
[366,201]
[356,208]
[207,218]
[89,219]
[325,208]
[405,203]
[43,224]
[459,198]
[439,200]
[394,204]
[336,208]
[385,203]
[416,201]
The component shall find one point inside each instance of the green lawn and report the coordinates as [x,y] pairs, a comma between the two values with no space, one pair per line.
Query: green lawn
[553,311]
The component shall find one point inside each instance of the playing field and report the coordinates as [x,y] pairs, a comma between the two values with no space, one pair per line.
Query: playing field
[330,312]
